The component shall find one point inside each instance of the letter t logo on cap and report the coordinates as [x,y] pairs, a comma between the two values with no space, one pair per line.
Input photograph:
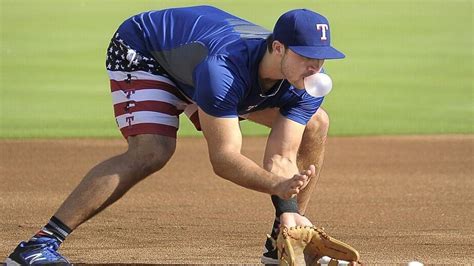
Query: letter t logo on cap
[324,28]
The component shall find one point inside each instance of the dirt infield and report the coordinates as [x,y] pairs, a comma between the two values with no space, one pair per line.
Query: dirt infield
[396,199]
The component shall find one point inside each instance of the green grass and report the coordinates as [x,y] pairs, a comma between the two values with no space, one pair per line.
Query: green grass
[408,68]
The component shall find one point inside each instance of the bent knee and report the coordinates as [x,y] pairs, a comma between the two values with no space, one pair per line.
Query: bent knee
[318,124]
[150,153]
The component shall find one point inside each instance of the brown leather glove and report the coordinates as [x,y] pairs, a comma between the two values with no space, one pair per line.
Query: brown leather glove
[305,245]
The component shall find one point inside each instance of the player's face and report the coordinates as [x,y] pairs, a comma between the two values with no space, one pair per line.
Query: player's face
[295,67]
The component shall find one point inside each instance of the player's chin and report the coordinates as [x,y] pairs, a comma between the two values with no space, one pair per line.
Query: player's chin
[299,84]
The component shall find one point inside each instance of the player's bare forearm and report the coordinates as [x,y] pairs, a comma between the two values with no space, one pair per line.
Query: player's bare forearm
[237,168]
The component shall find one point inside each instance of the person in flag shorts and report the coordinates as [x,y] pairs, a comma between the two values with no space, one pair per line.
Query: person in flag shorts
[217,69]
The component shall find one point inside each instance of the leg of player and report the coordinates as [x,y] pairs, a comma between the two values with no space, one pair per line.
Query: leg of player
[102,186]
[111,179]
[311,151]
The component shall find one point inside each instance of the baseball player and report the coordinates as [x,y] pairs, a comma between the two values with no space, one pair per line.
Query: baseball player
[216,68]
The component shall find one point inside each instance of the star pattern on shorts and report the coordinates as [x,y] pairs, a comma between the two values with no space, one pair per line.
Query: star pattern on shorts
[116,59]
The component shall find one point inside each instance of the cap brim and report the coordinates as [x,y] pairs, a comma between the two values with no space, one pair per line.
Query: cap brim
[317,52]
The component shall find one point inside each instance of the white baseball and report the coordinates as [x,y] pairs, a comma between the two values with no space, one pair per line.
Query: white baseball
[318,85]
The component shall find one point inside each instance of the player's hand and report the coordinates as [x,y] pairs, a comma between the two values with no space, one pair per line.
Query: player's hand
[289,188]
[291,219]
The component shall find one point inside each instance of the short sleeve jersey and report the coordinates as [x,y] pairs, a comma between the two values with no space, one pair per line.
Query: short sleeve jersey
[213,58]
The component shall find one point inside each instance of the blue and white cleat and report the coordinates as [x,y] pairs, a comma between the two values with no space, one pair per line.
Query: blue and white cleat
[38,251]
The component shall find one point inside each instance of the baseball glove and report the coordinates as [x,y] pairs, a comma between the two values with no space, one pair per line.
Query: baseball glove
[305,245]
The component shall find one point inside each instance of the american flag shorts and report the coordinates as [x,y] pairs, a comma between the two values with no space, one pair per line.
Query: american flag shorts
[145,99]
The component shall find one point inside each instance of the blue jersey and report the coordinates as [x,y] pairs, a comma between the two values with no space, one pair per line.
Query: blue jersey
[213,58]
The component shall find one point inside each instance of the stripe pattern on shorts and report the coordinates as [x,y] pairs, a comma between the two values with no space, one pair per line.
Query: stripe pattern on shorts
[145,100]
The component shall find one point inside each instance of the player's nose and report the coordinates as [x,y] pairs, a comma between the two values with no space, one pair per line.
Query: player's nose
[313,70]
[315,66]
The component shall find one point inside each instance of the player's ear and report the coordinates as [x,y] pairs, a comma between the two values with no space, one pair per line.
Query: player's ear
[278,47]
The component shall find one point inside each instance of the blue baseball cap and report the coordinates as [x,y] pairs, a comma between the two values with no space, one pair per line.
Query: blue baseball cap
[306,33]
